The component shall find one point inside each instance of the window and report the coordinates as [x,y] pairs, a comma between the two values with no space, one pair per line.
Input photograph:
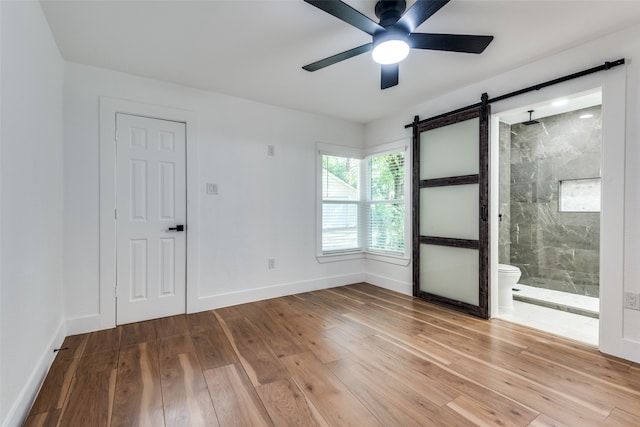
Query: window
[340,204]
[385,216]
[363,203]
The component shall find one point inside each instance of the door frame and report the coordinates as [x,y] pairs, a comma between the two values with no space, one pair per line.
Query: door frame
[613,255]
[107,263]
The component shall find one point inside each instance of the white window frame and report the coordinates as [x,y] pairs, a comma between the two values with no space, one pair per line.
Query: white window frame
[340,151]
[364,155]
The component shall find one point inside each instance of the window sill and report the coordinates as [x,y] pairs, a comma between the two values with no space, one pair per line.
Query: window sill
[389,259]
[338,257]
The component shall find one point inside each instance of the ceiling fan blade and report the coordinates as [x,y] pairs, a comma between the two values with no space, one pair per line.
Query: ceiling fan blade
[389,75]
[347,14]
[420,12]
[450,42]
[338,57]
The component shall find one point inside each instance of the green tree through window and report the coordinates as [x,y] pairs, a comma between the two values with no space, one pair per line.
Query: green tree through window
[386,206]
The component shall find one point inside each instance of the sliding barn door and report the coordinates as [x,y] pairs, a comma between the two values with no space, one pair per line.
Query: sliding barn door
[450,212]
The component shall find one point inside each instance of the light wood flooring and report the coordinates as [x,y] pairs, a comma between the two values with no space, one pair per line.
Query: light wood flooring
[355,355]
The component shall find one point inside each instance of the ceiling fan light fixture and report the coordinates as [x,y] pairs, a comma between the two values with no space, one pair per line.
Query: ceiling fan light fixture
[393,37]
[390,51]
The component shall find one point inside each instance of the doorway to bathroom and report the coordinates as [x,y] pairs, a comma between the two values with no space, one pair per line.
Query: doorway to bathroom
[549,157]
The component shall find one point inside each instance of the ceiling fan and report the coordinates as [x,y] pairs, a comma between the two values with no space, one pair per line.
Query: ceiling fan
[393,36]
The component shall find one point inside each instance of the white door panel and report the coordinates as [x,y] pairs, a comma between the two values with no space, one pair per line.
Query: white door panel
[150,199]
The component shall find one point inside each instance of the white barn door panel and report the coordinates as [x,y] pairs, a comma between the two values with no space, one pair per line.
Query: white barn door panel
[151,216]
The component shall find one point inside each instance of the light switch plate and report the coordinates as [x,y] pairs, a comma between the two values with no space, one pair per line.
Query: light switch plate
[212,188]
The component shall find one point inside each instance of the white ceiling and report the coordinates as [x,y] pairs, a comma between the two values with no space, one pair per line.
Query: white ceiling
[255,49]
[552,107]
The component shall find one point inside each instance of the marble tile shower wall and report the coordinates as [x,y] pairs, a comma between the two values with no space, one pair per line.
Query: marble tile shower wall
[504,231]
[554,250]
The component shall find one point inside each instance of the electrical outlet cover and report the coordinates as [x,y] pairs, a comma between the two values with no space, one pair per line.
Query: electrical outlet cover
[631,301]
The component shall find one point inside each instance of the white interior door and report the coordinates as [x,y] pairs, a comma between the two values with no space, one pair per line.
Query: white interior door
[151,216]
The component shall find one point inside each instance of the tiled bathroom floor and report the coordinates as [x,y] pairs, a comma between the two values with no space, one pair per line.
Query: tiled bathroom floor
[568,325]
[561,313]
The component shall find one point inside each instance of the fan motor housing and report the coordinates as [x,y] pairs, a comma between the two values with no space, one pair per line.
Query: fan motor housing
[390,11]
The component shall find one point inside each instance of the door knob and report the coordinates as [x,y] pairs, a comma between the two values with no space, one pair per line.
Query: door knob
[177,228]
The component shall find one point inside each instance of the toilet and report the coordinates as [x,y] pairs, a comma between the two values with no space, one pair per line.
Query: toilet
[508,277]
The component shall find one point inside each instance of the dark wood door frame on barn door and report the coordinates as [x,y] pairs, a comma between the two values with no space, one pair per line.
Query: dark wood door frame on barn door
[450,210]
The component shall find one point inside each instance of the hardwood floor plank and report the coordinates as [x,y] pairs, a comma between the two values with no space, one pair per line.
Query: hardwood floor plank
[95,363]
[340,307]
[380,354]
[271,322]
[56,385]
[539,397]
[258,359]
[185,393]
[318,313]
[444,319]
[175,345]
[481,414]
[339,301]
[602,366]
[73,347]
[211,343]
[309,310]
[138,396]
[235,400]
[620,418]
[328,394]
[580,384]
[138,333]
[90,400]
[171,326]
[316,339]
[200,321]
[432,379]
[288,406]
[104,340]
[391,401]
[544,421]
[44,419]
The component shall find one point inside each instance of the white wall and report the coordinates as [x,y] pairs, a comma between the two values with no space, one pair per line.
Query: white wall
[32,311]
[625,44]
[265,207]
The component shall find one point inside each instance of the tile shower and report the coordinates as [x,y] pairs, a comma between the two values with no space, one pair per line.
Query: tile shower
[554,249]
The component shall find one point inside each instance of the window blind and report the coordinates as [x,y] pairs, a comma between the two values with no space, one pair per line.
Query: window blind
[385,203]
[341,208]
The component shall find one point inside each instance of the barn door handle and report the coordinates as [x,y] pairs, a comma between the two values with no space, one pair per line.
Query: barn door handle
[177,228]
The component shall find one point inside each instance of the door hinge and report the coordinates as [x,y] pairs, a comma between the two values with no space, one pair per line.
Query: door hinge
[115,213]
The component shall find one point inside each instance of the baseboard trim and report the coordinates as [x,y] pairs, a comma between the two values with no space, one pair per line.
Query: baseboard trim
[257,294]
[81,325]
[20,409]
[388,283]
[630,350]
